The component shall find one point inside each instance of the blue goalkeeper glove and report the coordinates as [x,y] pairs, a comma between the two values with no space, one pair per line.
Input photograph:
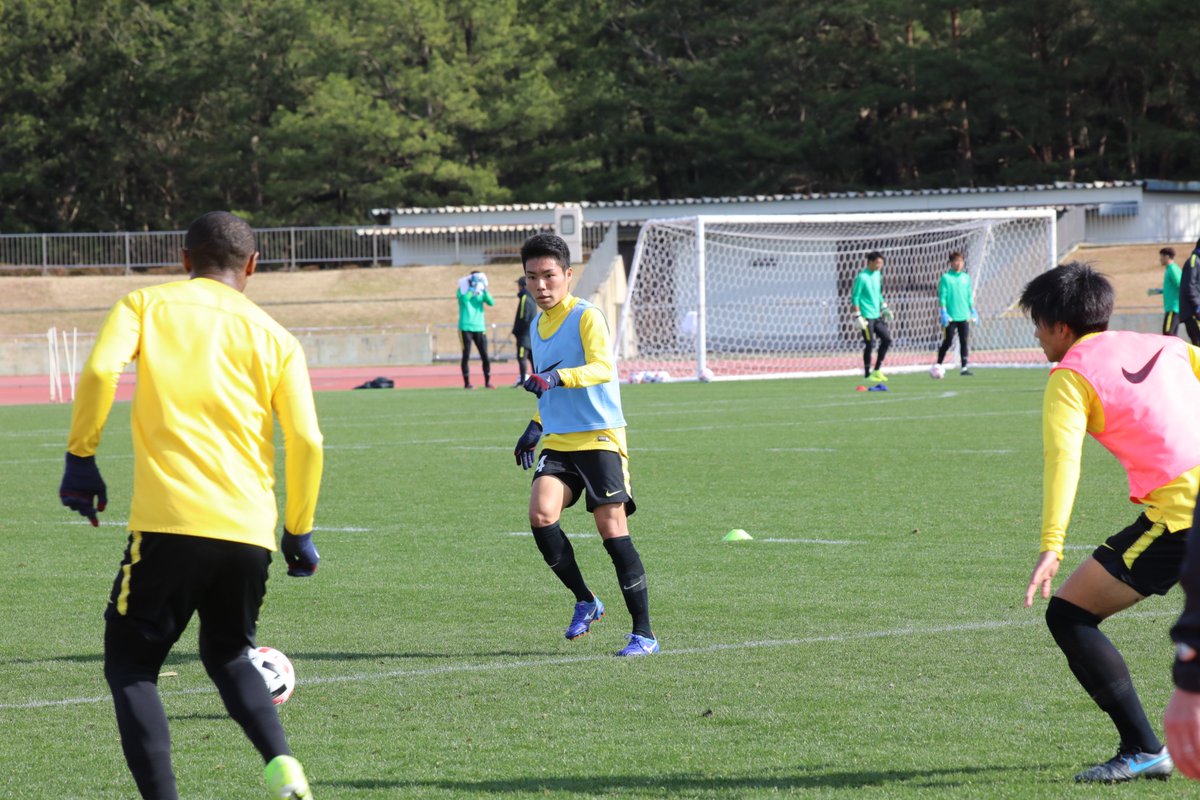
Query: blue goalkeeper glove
[300,554]
[543,382]
[974,316]
[82,489]
[944,317]
[527,444]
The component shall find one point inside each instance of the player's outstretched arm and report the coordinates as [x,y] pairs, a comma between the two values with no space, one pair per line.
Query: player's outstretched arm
[1181,723]
[527,444]
[1043,576]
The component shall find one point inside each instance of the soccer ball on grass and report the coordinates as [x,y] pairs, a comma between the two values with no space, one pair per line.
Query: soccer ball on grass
[276,671]
[937,372]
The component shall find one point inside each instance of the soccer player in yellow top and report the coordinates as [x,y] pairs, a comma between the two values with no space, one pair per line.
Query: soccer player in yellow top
[1137,395]
[213,372]
[584,452]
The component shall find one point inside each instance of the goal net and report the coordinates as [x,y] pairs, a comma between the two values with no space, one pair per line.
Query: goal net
[769,296]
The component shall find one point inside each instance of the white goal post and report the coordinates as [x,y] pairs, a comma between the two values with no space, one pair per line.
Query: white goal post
[769,296]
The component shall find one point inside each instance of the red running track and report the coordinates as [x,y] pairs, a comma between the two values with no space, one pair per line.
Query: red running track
[30,389]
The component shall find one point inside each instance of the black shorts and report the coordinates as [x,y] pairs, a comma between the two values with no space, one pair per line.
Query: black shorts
[166,577]
[524,347]
[602,474]
[1146,556]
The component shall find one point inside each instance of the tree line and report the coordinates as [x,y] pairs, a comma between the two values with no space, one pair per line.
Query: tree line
[140,114]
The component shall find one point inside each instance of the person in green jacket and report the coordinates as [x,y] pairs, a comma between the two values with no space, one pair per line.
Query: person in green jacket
[956,312]
[1169,291]
[871,314]
[473,295]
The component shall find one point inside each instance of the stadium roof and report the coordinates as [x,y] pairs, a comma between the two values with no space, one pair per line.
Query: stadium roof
[642,205]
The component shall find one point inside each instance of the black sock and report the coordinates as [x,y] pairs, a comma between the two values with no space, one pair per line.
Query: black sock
[632,578]
[246,699]
[1099,667]
[560,557]
[131,667]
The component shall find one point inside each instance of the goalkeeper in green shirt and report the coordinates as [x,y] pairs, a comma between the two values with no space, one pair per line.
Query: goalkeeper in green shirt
[1172,273]
[473,295]
[956,309]
[871,314]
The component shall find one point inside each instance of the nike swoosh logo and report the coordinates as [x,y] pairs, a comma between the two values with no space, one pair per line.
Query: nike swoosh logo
[610,494]
[1144,372]
[552,366]
[1135,768]
[639,581]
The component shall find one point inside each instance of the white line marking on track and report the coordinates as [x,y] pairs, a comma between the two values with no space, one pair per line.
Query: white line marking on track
[497,666]
[801,450]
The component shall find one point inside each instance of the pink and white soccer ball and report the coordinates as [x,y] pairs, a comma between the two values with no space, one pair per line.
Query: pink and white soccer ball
[937,372]
[276,671]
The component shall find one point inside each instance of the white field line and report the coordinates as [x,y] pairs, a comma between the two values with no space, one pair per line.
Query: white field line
[450,669]
[806,541]
[569,535]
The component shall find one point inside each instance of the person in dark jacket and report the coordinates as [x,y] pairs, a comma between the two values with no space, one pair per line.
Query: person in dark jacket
[1182,718]
[1189,295]
[526,311]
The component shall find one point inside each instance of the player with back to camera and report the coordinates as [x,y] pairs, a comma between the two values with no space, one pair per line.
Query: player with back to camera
[1136,394]
[871,314]
[213,373]
[956,309]
[584,451]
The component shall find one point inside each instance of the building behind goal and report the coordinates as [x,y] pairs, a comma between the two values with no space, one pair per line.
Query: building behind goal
[769,296]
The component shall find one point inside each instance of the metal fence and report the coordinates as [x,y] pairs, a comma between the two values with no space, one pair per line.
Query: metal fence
[279,248]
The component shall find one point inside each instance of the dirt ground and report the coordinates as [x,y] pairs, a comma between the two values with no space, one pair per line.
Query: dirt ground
[359,298]
[388,297]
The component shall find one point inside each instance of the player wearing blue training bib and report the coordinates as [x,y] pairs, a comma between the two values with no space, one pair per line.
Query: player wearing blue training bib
[582,429]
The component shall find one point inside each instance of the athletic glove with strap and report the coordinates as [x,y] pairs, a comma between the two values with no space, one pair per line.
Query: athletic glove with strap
[944,317]
[300,554]
[542,382]
[527,444]
[974,316]
[82,489]
[887,314]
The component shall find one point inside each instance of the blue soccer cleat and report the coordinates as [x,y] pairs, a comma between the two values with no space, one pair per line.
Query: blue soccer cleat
[586,613]
[639,646]
[1130,766]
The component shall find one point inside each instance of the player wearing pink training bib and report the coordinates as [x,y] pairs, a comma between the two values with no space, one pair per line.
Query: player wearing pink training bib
[1135,394]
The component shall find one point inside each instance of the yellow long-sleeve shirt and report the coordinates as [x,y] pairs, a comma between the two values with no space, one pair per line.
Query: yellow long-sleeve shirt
[212,370]
[597,369]
[1071,410]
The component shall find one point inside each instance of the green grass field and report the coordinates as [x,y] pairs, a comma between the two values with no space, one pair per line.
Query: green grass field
[869,642]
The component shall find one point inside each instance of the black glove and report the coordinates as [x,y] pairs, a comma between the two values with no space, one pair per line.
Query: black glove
[82,489]
[542,383]
[300,554]
[527,444]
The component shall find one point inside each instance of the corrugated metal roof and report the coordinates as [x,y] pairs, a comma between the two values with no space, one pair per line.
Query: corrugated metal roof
[1040,187]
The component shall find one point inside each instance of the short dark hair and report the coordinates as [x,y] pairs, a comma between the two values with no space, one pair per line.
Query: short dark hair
[1169,252]
[219,241]
[875,254]
[1072,293]
[955,255]
[546,245]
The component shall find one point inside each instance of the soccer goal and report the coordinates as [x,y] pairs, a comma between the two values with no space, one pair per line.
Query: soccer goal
[769,296]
